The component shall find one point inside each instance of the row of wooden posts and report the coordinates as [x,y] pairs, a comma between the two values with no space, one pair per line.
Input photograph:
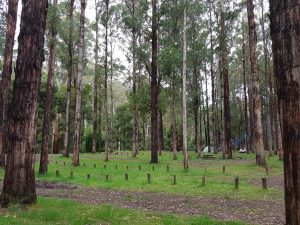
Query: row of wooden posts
[168,168]
[236,180]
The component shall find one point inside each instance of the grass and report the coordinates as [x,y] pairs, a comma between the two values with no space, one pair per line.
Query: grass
[188,182]
[66,212]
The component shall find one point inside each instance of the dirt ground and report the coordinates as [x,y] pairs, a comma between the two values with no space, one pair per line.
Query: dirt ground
[251,212]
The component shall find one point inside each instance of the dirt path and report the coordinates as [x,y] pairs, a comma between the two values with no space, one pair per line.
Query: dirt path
[252,212]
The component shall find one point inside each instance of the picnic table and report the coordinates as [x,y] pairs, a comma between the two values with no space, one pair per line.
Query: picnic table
[208,157]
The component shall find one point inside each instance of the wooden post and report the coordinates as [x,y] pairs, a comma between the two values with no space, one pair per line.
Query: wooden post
[126,176]
[264,183]
[83,164]
[116,167]
[223,169]
[106,177]
[168,168]
[71,175]
[64,163]
[56,162]
[127,167]
[236,183]
[104,166]
[139,168]
[94,165]
[57,173]
[149,178]
[153,168]
[203,181]
[174,181]
[88,176]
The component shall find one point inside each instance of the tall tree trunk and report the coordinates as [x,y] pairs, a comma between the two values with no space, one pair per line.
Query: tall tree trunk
[184,110]
[196,111]
[69,82]
[268,84]
[161,145]
[79,86]
[207,108]
[56,135]
[285,21]
[226,102]
[51,64]
[258,130]
[134,146]
[7,70]
[111,99]
[154,86]
[213,94]
[107,143]
[19,179]
[96,81]
[173,120]
[245,89]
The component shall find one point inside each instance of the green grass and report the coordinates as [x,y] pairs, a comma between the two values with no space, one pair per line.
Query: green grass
[188,182]
[66,212]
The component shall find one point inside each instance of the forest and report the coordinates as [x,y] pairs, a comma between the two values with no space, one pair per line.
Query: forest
[149,112]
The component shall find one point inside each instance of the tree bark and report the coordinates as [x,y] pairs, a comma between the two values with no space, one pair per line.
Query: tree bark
[285,26]
[196,111]
[6,72]
[184,110]
[107,141]
[56,135]
[154,86]
[226,102]
[19,179]
[161,145]
[173,120]
[257,129]
[79,86]
[69,82]
[51,64]
[96,81]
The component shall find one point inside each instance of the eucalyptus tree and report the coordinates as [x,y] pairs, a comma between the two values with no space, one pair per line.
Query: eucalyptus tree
[69,79]
[284,21]
[258,130]
[19,179]
[76,148]
[52,29]
[7,70]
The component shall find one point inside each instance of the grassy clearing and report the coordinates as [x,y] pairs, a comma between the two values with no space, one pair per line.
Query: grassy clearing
[188,182]
[66,212]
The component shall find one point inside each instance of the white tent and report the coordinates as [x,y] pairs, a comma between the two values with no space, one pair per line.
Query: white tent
[207,148]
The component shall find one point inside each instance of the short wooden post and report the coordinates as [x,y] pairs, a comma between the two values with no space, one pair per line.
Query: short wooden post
[153,168]
[149,178]
[203,181]
[88,176]
[94,165]
[126,176]
[71,174]
[264,183]
[223,169]
[106,177]
[104,166]
[57,173]
[116,167]
[168,168]
[236,181]
[56,162]
[64,163]
[127,167]
[140,168]
[83,164]
[174,180]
